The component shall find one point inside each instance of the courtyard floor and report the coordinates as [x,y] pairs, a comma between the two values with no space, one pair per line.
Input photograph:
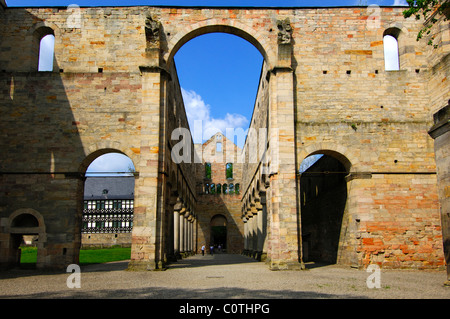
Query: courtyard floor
[223,276]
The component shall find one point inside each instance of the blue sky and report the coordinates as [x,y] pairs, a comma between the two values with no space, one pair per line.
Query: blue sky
[219,73]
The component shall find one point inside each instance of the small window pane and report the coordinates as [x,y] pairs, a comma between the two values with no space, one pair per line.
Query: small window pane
[391,60]
[46,53]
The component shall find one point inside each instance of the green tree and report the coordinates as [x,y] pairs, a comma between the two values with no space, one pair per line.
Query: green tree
[431,11]
[208,170]
[229,170]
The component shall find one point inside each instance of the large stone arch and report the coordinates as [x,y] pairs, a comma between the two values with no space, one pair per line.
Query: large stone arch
[323,194]
[97,151]
[224,26]
[24,221]
[340,152]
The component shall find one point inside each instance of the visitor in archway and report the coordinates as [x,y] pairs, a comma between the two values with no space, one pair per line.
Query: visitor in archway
[203,250]
[211,250]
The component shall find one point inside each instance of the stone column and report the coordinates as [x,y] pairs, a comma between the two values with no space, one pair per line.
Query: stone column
[189,232]
[245,220]
[250,232]
[185,232]
[260,237]
[176,232]
[254,233]
[285,244]
[181,233]
[176,227]
[440,132]
[146,248]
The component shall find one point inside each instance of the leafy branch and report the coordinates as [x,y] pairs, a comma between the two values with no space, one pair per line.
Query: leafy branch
[429,10]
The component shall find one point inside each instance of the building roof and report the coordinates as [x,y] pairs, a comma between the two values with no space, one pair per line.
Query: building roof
[120,187]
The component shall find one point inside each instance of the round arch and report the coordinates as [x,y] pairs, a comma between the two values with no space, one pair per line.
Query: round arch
[323,199]
[97,153]
[218,227]
[237,29]
[22,223]
[105,217]
[341,153]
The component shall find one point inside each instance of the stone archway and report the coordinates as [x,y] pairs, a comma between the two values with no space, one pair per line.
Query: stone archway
[323,198]
[216,26]
[23,222]
[218,226]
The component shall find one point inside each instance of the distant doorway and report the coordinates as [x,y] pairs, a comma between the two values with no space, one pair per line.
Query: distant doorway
[219,232]
[26,239]
[323,198]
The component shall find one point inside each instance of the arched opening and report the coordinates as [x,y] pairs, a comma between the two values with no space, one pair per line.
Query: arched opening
[25,220]
[108,202]
[219,71]
[26,239]
[391,50]
[46,53]
[323,196]
[43,49]
[218,237]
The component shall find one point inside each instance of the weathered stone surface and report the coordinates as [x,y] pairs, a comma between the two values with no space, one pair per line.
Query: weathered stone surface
[323,89]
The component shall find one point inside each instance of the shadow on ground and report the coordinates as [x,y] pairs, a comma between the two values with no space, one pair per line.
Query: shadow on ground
[177,293]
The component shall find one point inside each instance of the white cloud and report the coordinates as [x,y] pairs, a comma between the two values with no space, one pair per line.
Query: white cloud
[400,3]
[197,110]
[110,163]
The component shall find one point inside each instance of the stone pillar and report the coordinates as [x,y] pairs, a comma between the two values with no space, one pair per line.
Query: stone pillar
[147,208]
[147,248]
[185,233]
[189,232]
[176,228]
[260,236]
[262,227]
[193,246]
[250,232]
[284,241]
[255,234]
[440,132]
[176,232]
[181,233]
[245,220]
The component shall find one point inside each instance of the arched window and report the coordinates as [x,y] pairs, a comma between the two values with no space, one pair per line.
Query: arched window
[208,170]
[218,189]
[391,52]
[229,170]
[46,53]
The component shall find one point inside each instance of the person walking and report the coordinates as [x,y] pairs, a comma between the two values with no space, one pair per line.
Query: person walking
[203,250]
[211,249]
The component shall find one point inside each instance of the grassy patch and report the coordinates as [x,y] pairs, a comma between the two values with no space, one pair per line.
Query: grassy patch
[87,256]
[98,256]
[28,255]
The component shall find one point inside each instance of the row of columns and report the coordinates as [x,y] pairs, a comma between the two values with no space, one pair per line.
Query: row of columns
[184,231]
[255,230]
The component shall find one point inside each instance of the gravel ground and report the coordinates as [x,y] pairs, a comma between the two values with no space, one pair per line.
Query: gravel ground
[223,276]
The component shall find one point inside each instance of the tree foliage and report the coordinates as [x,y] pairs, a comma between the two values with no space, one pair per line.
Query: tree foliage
[430,10]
